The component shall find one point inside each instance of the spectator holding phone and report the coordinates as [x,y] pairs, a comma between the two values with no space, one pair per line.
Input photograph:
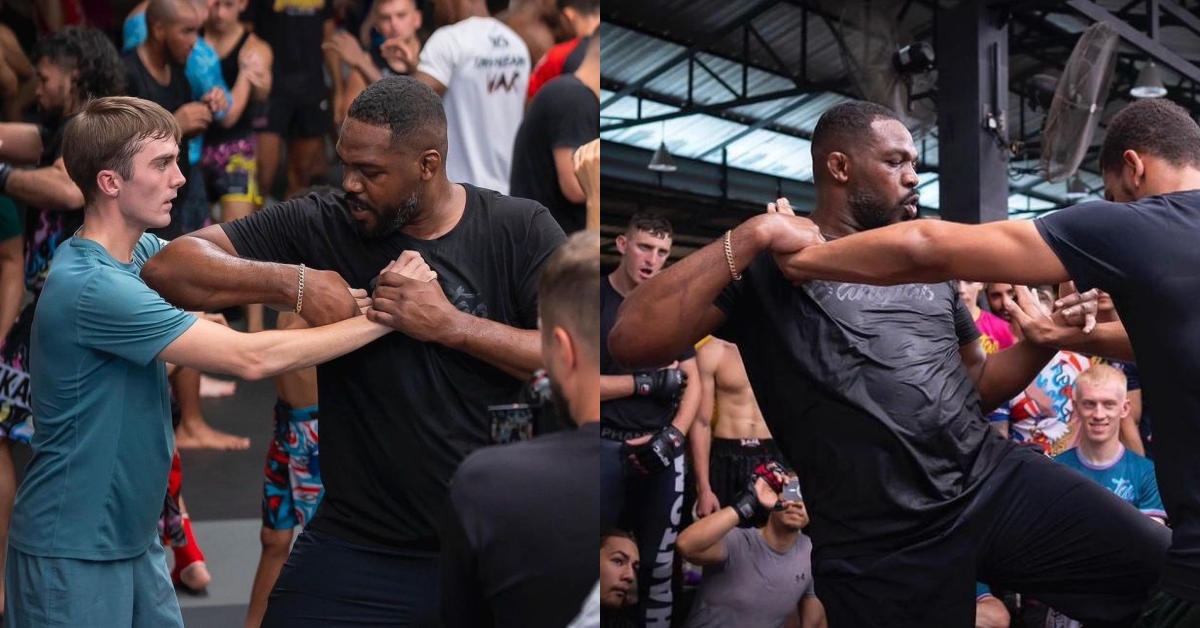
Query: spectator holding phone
[754,577]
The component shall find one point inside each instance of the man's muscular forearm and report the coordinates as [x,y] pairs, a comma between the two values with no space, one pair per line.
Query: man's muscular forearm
[196,274]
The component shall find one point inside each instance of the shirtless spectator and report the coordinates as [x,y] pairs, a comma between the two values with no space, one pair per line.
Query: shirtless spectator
[729,437]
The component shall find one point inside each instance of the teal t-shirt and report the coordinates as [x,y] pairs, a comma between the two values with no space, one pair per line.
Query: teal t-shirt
[103,440]
[1130,477]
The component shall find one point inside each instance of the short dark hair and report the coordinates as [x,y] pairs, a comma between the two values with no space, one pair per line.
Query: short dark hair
[585,7]
[651,223]
[845,126]
[89,51]
[569,289]
[1153,126]
[618,533]
[406,106]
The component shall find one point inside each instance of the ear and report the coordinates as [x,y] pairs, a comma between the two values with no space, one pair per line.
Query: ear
[564,347]
[418,19]
[1134,162]
[1124,409]
[622,242]
[431,162]
[838,164]
[109,183]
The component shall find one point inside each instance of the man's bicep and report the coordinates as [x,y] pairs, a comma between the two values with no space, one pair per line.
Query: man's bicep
[216,235]
[286,233]
[1010,251]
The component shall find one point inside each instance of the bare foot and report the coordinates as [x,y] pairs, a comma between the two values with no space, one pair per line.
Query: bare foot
[198,435]
[195,576]
[212,387]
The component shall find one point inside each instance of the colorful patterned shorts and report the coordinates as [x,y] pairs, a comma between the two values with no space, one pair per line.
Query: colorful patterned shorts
[292,486]
[231,171]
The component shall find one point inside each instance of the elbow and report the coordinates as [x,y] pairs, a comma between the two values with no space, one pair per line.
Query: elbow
[686,546]
[251,367]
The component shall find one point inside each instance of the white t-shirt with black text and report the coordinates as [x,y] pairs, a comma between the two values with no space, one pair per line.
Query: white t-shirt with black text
[485,67]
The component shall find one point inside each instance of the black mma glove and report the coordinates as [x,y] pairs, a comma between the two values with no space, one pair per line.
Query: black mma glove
[748,507]
[664,385]
[657,454]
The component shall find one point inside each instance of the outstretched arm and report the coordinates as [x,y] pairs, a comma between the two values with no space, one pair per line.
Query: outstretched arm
[202,271]
[929,251]
[678,303]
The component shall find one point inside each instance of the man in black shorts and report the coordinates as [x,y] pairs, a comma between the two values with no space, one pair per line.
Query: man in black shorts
[398,416]
[876,395]
[299,109]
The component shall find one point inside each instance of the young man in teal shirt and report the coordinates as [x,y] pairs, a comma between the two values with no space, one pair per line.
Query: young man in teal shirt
[85,517]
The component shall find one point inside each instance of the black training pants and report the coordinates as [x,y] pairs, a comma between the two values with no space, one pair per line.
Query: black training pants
[1036,527]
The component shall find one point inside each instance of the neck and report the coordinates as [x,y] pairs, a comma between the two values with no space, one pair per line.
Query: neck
[832,215]
[232,31]
[975,310]
[475,9]
[1168,180]
[587,386]
[104,225]
[153,54]
[589,76]
[1100,454]
[441,210]
[621,282]
[779,538]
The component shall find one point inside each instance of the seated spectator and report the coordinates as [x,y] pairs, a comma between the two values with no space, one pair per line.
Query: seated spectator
[619,564]
[754,577]
[990,612]
[1100,406]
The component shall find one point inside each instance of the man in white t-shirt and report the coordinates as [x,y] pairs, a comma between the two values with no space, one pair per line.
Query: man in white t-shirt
[480,67]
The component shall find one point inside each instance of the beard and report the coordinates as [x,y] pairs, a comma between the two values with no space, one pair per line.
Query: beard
[870,211]
[388,220]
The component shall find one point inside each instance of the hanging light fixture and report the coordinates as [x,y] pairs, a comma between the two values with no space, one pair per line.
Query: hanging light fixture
[1149,83]
[1076,189]
[662,161]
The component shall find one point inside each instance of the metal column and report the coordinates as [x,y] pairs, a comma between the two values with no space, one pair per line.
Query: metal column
[972,52]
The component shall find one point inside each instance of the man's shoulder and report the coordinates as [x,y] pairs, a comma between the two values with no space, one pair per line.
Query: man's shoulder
[503,207]
[1069,457]
[1139,462]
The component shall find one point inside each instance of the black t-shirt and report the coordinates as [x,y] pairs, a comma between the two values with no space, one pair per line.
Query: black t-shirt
[1144,255]
[398,415]
[630,414]
[865,392]
[295,29]
[521,551]
[564,114]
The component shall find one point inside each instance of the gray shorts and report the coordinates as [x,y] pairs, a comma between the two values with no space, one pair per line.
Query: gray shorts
[136,592]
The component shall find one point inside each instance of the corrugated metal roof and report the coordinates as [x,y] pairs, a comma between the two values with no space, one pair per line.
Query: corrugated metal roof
[651,33]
